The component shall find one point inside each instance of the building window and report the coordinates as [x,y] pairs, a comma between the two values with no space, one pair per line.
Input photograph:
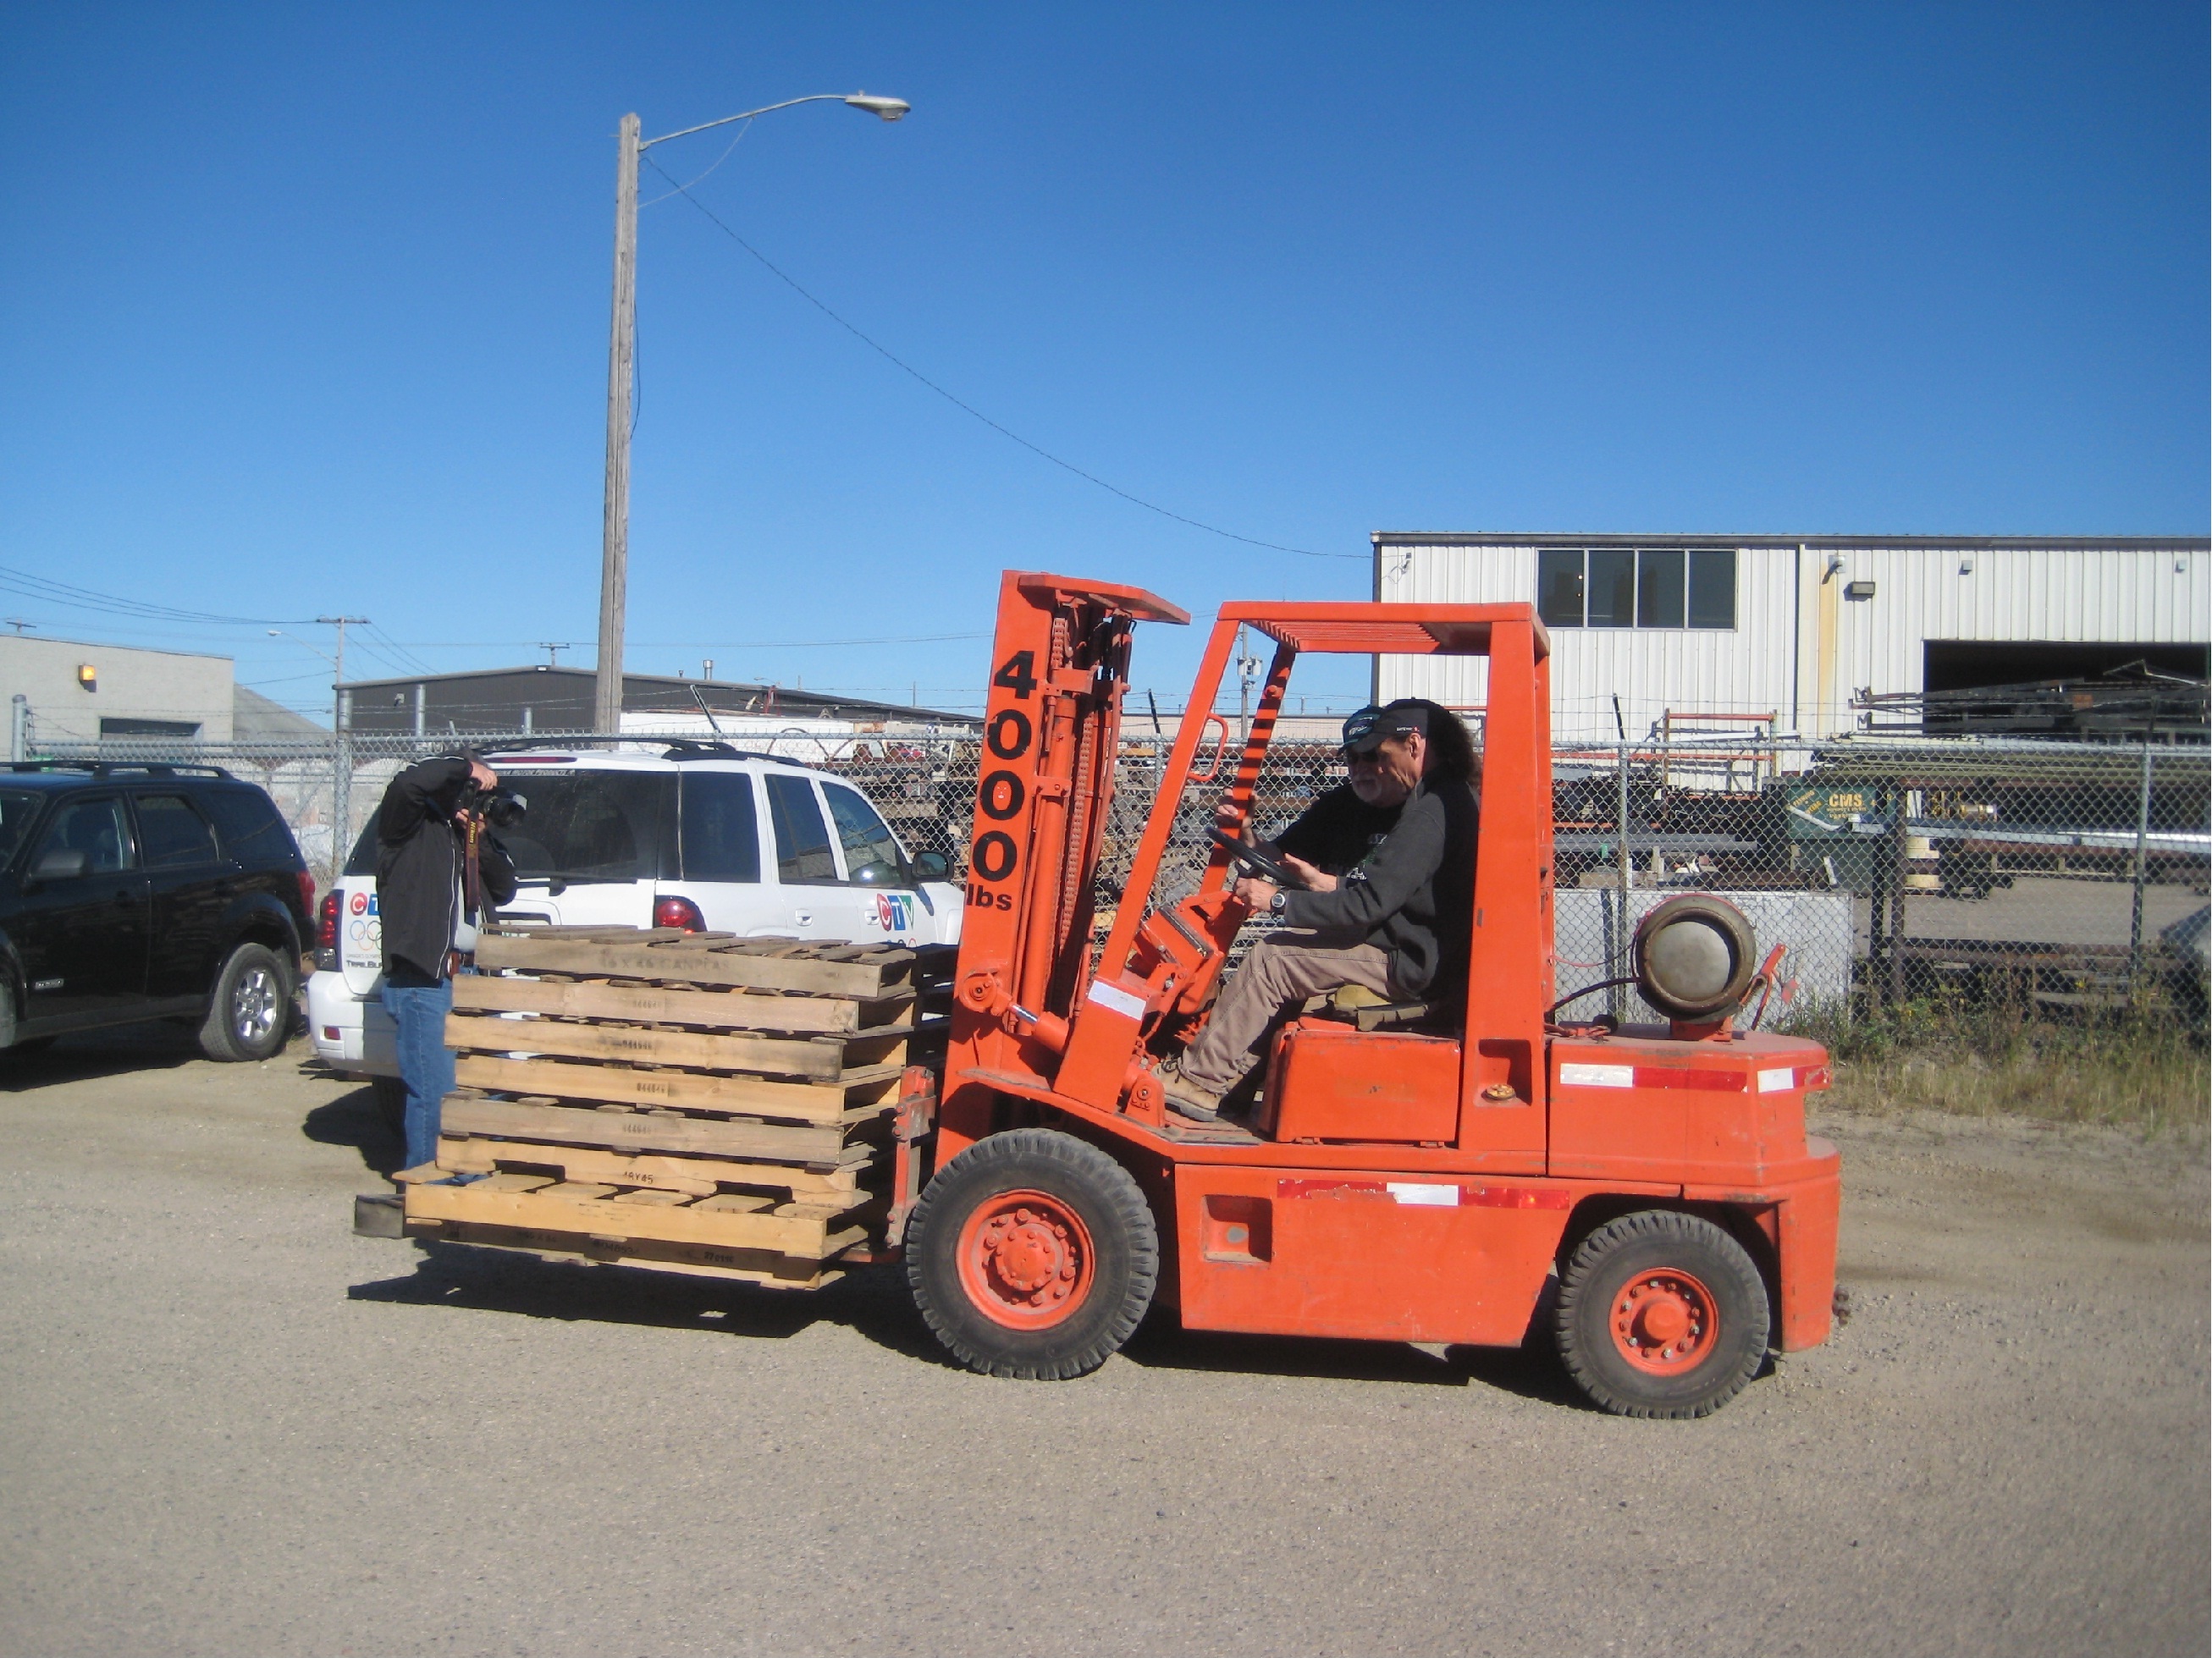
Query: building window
[188,729]
[1635,587]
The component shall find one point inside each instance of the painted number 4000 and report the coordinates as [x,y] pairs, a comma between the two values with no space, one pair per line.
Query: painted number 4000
[1001,793]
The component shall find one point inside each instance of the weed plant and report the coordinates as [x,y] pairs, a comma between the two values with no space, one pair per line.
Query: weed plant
[2139,1064]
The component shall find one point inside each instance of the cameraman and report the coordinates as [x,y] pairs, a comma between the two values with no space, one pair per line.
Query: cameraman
[436,865]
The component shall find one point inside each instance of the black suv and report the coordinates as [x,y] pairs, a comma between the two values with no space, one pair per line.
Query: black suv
[132,892]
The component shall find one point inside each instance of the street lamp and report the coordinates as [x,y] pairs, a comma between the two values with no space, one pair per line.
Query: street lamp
[614,566]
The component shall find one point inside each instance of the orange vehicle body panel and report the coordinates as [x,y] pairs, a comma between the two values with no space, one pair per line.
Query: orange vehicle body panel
[1406,1187]
[1328,1081]
[1437,1259]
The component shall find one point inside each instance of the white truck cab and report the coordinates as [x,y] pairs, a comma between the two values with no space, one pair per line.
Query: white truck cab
[700,836]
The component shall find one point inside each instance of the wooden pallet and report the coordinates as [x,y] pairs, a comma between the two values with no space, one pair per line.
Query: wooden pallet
[718,1009]
[819,1058]
[725,1234]
[837,1189]
[695,1102]
[542,1118]
[863,972]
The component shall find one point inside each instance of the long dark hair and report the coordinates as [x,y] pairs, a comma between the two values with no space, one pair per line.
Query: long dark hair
[1452,752]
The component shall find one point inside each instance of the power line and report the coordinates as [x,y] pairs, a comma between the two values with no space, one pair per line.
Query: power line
[26,585]
[699,644]
[968,407]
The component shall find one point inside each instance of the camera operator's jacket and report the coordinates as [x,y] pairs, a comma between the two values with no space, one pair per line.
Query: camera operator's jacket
[419,853]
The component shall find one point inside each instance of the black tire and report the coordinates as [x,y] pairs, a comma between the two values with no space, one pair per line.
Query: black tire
[1611,1291]
[1094,1194]
[249,1018]
[390,1103]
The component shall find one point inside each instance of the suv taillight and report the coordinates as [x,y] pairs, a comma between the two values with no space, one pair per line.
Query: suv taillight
[307,898]
[326,930]
[679,913]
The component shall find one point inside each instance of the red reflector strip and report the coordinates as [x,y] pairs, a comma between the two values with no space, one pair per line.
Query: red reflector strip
[1445,1194]
[1664,1076]
[1579,1075]
[1332,1188]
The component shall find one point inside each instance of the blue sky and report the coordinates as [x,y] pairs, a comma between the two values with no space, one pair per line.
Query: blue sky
[305,309]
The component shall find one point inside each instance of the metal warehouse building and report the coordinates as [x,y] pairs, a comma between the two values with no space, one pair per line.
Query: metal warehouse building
[1692,632]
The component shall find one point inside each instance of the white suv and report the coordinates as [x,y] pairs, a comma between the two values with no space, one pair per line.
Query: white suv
[700,836]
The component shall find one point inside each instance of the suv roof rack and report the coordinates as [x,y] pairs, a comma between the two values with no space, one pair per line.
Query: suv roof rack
[106,767]
[692,748]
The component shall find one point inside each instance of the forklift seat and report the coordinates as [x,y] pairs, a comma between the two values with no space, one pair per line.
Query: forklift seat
[1367,1010]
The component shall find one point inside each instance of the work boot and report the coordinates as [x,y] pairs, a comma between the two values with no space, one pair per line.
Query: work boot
[1186,1098]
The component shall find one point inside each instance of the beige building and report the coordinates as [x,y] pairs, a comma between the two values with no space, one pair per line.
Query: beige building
[70,692]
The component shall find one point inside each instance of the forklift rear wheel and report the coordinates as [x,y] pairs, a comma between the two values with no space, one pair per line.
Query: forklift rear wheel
[1661,1314]
[1033,1255]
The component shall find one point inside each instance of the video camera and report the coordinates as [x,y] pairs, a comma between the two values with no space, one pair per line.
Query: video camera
[501,807]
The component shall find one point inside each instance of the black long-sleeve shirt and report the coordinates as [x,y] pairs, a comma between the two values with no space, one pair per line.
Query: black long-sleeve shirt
[1412,893]
[419,854]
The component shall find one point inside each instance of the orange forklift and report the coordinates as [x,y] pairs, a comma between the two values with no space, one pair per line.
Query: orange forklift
[1467,1173]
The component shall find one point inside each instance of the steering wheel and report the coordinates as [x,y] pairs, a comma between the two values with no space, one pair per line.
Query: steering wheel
[1257,862]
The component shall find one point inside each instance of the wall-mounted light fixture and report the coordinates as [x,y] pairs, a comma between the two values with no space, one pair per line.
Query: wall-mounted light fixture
[1965,564]
[88,676]
[1858,590]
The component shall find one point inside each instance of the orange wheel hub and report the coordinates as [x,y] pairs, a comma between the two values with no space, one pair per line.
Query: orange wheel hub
[1025,1260]
[1664,1322]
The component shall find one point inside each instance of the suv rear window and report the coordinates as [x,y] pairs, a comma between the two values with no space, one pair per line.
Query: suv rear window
[598,825]
[171,835]
[590,825]
[247,823]
[721,829]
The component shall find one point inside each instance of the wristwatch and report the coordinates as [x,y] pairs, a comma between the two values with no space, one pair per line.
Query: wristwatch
[1279,903]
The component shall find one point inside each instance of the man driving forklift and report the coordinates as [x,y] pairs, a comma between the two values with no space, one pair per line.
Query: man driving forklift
[1387,861]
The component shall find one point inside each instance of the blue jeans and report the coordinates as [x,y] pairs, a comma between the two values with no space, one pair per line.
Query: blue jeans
[418,1007]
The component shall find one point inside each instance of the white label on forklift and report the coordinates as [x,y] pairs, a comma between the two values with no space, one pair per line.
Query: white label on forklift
[1598,1076]
[1121,1002]
[1778,1081]
[1435,1196]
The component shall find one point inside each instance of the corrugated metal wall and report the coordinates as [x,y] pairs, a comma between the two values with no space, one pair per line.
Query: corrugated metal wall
[1800,649]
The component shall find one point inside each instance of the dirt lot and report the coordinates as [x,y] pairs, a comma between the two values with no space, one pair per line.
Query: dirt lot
[226,1426]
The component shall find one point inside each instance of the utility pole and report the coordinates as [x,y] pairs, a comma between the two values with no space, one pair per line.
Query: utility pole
[622,346]
[341,754]
[553,651]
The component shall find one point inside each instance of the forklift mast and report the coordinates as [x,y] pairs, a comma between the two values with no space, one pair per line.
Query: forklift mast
[1051,731]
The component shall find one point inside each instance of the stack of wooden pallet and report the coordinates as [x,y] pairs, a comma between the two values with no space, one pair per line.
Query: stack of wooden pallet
[695,1103]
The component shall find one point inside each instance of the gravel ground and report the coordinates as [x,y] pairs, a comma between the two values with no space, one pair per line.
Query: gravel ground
[226,1426]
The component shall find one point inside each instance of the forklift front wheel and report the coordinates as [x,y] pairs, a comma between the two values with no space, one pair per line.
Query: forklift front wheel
[1662,1314]
[1033,1255]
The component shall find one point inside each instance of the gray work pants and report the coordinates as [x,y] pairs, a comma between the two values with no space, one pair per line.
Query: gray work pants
[1284,968]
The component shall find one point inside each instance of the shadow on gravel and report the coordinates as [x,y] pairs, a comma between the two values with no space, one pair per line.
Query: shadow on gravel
[160,1046]
[353,1119]
[872,1302]
[1527,1373]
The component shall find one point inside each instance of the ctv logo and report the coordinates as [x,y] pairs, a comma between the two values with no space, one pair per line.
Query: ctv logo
[359,905]
[894,911]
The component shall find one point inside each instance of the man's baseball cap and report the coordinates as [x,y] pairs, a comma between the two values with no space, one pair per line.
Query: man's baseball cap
[1367,730]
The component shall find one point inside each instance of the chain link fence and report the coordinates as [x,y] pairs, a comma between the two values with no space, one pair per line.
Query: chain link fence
[2063,875]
